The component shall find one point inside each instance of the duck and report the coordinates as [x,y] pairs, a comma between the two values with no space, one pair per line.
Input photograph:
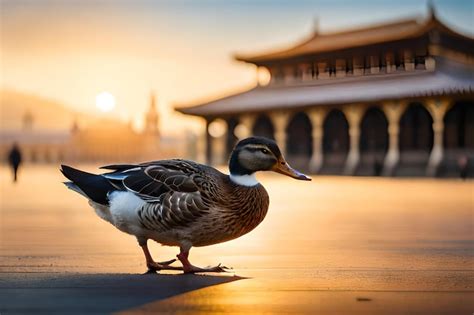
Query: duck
[182,203]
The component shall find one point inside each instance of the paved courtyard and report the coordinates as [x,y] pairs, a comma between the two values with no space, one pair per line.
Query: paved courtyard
[336,245]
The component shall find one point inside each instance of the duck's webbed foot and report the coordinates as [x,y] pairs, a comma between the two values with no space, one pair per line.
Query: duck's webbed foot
[193,269]
[157,266]
[190,268]
[165,265]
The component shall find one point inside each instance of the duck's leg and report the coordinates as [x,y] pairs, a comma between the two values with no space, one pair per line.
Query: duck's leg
[155,266]
[190,268]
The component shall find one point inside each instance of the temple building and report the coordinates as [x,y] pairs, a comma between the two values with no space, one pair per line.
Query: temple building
[394,99]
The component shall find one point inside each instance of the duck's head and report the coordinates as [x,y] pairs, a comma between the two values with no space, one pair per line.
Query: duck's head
[255,154]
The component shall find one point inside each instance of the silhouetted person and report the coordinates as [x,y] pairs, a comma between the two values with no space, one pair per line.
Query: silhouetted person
[463,163]
[14,158]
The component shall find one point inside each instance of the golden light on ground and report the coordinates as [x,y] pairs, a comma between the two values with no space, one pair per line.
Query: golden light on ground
[405,249]
[105,102]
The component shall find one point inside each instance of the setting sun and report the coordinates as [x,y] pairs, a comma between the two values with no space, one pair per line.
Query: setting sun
[105,101]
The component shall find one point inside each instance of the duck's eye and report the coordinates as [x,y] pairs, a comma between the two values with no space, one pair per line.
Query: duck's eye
[264,151]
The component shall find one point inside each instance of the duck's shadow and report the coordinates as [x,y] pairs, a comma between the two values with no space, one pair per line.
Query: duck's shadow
[99,293]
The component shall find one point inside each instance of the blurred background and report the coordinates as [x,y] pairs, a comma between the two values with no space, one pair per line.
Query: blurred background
[378,88]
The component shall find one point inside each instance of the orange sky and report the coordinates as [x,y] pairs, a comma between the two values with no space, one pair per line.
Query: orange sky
[70,51]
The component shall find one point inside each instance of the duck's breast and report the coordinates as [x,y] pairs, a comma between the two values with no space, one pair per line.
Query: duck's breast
[239,214]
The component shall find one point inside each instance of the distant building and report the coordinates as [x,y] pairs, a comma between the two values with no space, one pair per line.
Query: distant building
[104,140]
[110,140]
[36,146]
[394,99]
[151,118]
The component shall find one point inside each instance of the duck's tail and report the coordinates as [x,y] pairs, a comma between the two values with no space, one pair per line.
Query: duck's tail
[92,186]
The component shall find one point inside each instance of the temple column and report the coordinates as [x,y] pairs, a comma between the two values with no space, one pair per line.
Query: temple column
[280,121]
[393,111]
[216,139]
[316,115]
[437,109]
[244,129]
[219,152]
[196,146]
[353,114]
[208,143]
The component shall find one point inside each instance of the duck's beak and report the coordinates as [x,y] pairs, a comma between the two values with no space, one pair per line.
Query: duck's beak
[284,168]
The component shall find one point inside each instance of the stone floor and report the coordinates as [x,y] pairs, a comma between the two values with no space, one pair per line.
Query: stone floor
[336,245]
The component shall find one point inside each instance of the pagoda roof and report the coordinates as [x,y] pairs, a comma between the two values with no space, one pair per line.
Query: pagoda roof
[346,39]
[449,78]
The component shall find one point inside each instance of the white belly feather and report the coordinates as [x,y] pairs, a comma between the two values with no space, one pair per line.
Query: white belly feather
[122,211]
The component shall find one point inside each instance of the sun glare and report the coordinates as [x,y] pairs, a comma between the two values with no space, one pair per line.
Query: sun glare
[105,101]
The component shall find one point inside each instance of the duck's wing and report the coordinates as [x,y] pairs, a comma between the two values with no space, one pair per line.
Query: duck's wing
[150,180]
[175,190]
